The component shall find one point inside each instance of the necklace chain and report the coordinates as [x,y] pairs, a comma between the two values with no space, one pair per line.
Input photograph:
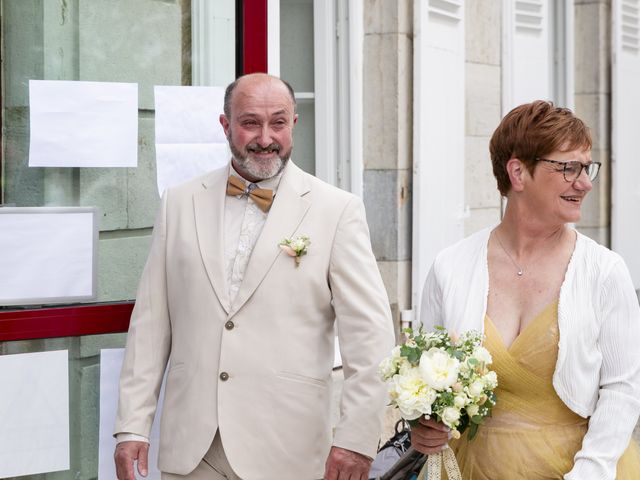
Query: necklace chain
[520,270]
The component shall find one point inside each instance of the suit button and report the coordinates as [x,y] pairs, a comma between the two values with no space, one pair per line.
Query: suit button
[229,325]
[224,376]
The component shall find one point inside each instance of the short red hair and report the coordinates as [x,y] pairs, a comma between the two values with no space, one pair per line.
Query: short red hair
[532,131]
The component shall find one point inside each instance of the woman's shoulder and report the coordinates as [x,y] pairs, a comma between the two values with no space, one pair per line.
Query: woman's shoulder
[596,254]
[597,264]
[466,249]
[462,261]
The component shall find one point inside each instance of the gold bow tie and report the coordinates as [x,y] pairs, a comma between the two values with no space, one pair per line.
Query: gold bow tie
[262,197]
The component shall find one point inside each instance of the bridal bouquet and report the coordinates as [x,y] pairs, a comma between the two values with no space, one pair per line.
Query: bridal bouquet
[443,377]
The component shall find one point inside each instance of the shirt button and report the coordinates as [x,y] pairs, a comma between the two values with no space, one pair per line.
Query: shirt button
[229,325]
[224,376]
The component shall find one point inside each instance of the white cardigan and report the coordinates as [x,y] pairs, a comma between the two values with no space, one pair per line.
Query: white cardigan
[597,374]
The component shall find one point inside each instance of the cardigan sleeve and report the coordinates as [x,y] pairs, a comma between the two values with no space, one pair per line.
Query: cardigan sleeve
[616,411]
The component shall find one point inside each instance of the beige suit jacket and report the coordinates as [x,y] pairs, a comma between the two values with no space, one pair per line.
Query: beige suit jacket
[275,342]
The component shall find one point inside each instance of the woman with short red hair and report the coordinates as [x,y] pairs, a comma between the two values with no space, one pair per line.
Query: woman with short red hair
[559,313]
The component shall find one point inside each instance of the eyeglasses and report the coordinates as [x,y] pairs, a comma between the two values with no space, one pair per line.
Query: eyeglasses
[571,170]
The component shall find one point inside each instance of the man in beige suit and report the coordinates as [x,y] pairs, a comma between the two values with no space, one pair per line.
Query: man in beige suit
[246,326]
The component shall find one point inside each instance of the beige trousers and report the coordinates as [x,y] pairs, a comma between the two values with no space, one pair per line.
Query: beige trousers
[214,466]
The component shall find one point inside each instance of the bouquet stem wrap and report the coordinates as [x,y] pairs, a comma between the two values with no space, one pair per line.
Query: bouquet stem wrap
[432,470]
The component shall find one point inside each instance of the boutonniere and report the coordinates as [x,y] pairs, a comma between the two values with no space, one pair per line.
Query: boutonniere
[295,247]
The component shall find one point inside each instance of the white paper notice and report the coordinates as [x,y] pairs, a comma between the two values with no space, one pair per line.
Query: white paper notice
[110,365]
[47,255]
[34,413]
[83,124]
[189,138]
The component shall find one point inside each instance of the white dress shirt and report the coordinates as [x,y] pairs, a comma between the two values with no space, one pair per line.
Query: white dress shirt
[243,222]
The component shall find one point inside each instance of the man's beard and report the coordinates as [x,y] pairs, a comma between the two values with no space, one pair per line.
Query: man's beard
[256,168]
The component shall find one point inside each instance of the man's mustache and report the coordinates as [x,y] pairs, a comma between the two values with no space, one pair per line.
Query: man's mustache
[255,148]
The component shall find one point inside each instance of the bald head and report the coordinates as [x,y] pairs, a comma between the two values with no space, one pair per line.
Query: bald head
[251,81]
[258,122]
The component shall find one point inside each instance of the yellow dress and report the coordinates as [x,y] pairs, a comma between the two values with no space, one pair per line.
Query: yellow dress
[531,434]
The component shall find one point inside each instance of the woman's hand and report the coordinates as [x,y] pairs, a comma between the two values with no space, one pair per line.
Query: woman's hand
[429,436]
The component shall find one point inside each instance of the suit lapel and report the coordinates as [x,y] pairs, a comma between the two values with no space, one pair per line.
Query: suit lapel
[208,205]
[288,209]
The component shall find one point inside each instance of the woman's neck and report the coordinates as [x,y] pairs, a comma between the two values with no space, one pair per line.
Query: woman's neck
[523,234]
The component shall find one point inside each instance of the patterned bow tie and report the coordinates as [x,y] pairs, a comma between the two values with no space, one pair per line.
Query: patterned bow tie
[262,197]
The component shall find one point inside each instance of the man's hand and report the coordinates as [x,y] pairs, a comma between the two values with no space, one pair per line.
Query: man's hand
[429,436]
[344,464]
[126,454]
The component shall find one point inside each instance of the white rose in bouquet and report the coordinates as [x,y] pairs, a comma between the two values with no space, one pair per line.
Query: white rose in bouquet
[482,355]
[387,368]
[472,410]
[392,364]
[476,388]
[411,394]
[438,368]
[460,401]
[450,417]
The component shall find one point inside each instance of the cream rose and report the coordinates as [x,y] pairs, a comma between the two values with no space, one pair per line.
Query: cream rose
[387,368]
[482,355]
[450,417]
[472,410]
[459,401]
[438,369]
[476,388]
[412,395]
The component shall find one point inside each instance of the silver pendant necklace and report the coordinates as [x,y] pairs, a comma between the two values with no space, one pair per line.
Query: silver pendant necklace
[520,270]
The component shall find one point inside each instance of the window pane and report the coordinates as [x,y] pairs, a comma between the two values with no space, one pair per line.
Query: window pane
[147,42]
[297,67]
[296,44]
[304,137]
[84,397]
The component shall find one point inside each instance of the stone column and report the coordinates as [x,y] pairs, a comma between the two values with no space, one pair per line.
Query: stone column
[593,105]
[482,110]
[388,124]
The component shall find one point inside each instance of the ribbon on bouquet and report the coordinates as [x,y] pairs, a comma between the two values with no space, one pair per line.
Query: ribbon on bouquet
[432,469]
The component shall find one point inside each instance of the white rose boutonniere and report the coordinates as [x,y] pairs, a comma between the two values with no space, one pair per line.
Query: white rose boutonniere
[295,247]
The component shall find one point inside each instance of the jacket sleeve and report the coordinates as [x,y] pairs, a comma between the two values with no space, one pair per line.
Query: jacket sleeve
[148,341]
[616,411]
[365,331]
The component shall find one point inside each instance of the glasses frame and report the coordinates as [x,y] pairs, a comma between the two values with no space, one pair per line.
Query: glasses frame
[582,167]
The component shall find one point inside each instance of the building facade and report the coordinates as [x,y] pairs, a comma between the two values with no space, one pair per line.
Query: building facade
[397,101]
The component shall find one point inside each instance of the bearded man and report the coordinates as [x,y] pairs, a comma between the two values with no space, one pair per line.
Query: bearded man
[252,270]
